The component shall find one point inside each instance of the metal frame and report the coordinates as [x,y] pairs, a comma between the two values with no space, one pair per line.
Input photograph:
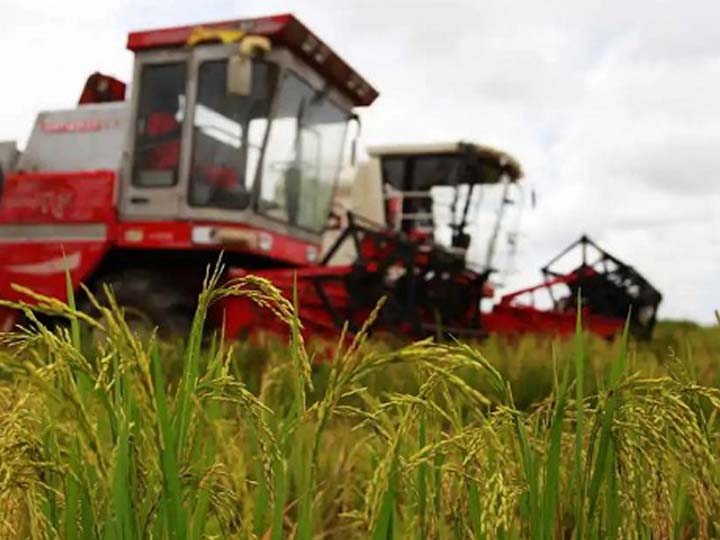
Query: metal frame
[414,278]
[492,242]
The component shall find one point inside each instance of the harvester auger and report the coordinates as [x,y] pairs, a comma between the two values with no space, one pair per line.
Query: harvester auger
[610,291]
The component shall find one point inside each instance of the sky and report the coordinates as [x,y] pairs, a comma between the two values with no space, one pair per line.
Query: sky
[611,107]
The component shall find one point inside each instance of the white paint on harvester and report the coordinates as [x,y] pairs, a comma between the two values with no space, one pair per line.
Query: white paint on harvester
[134,235]
[312,253]
[57,265]
[265,241]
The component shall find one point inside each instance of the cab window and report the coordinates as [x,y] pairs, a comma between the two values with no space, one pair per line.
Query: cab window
[159,124]
[228,133]
[303,156]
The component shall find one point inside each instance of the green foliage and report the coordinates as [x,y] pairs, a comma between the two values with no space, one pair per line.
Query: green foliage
[105,433]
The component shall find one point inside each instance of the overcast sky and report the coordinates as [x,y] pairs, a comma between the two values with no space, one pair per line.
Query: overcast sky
[612,107]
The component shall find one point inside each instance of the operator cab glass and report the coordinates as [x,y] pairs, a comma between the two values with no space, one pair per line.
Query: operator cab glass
[228,132]
[303,156]
[159,124]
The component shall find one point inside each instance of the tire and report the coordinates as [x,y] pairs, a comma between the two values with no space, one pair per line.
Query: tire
[150,300]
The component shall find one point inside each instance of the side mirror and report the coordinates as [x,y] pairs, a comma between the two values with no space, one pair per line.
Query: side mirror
[239,75]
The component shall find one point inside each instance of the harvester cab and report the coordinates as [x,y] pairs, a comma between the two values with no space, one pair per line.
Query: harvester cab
[456,195]
[231,127]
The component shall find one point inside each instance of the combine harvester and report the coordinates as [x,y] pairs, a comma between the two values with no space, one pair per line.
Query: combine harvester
[406,237]
[232,140]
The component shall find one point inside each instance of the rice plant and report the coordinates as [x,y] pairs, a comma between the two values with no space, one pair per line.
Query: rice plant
[105,433]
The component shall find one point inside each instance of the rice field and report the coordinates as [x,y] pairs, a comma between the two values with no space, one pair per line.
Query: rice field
[107,434]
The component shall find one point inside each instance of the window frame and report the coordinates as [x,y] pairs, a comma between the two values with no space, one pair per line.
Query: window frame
[137,201]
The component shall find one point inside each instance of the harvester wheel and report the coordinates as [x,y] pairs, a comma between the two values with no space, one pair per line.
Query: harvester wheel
[149,301]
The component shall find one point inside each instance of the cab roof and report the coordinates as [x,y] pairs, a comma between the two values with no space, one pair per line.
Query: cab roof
[486,153]
[282,30]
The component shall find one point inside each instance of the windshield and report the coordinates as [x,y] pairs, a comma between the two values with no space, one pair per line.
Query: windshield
[228,132]
[416,178]
[303,156]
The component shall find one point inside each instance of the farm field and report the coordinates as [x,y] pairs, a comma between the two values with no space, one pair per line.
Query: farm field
[104,434]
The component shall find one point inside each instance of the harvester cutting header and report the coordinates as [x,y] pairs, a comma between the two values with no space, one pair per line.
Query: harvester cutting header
[232,139]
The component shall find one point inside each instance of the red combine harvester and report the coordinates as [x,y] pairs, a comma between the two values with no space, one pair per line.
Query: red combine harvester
[232,140]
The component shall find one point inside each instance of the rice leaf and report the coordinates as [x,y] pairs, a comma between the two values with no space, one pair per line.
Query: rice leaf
[172,497]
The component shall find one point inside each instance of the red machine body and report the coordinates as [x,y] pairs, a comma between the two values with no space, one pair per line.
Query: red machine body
[101,88]
[67,223]
[42,208]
